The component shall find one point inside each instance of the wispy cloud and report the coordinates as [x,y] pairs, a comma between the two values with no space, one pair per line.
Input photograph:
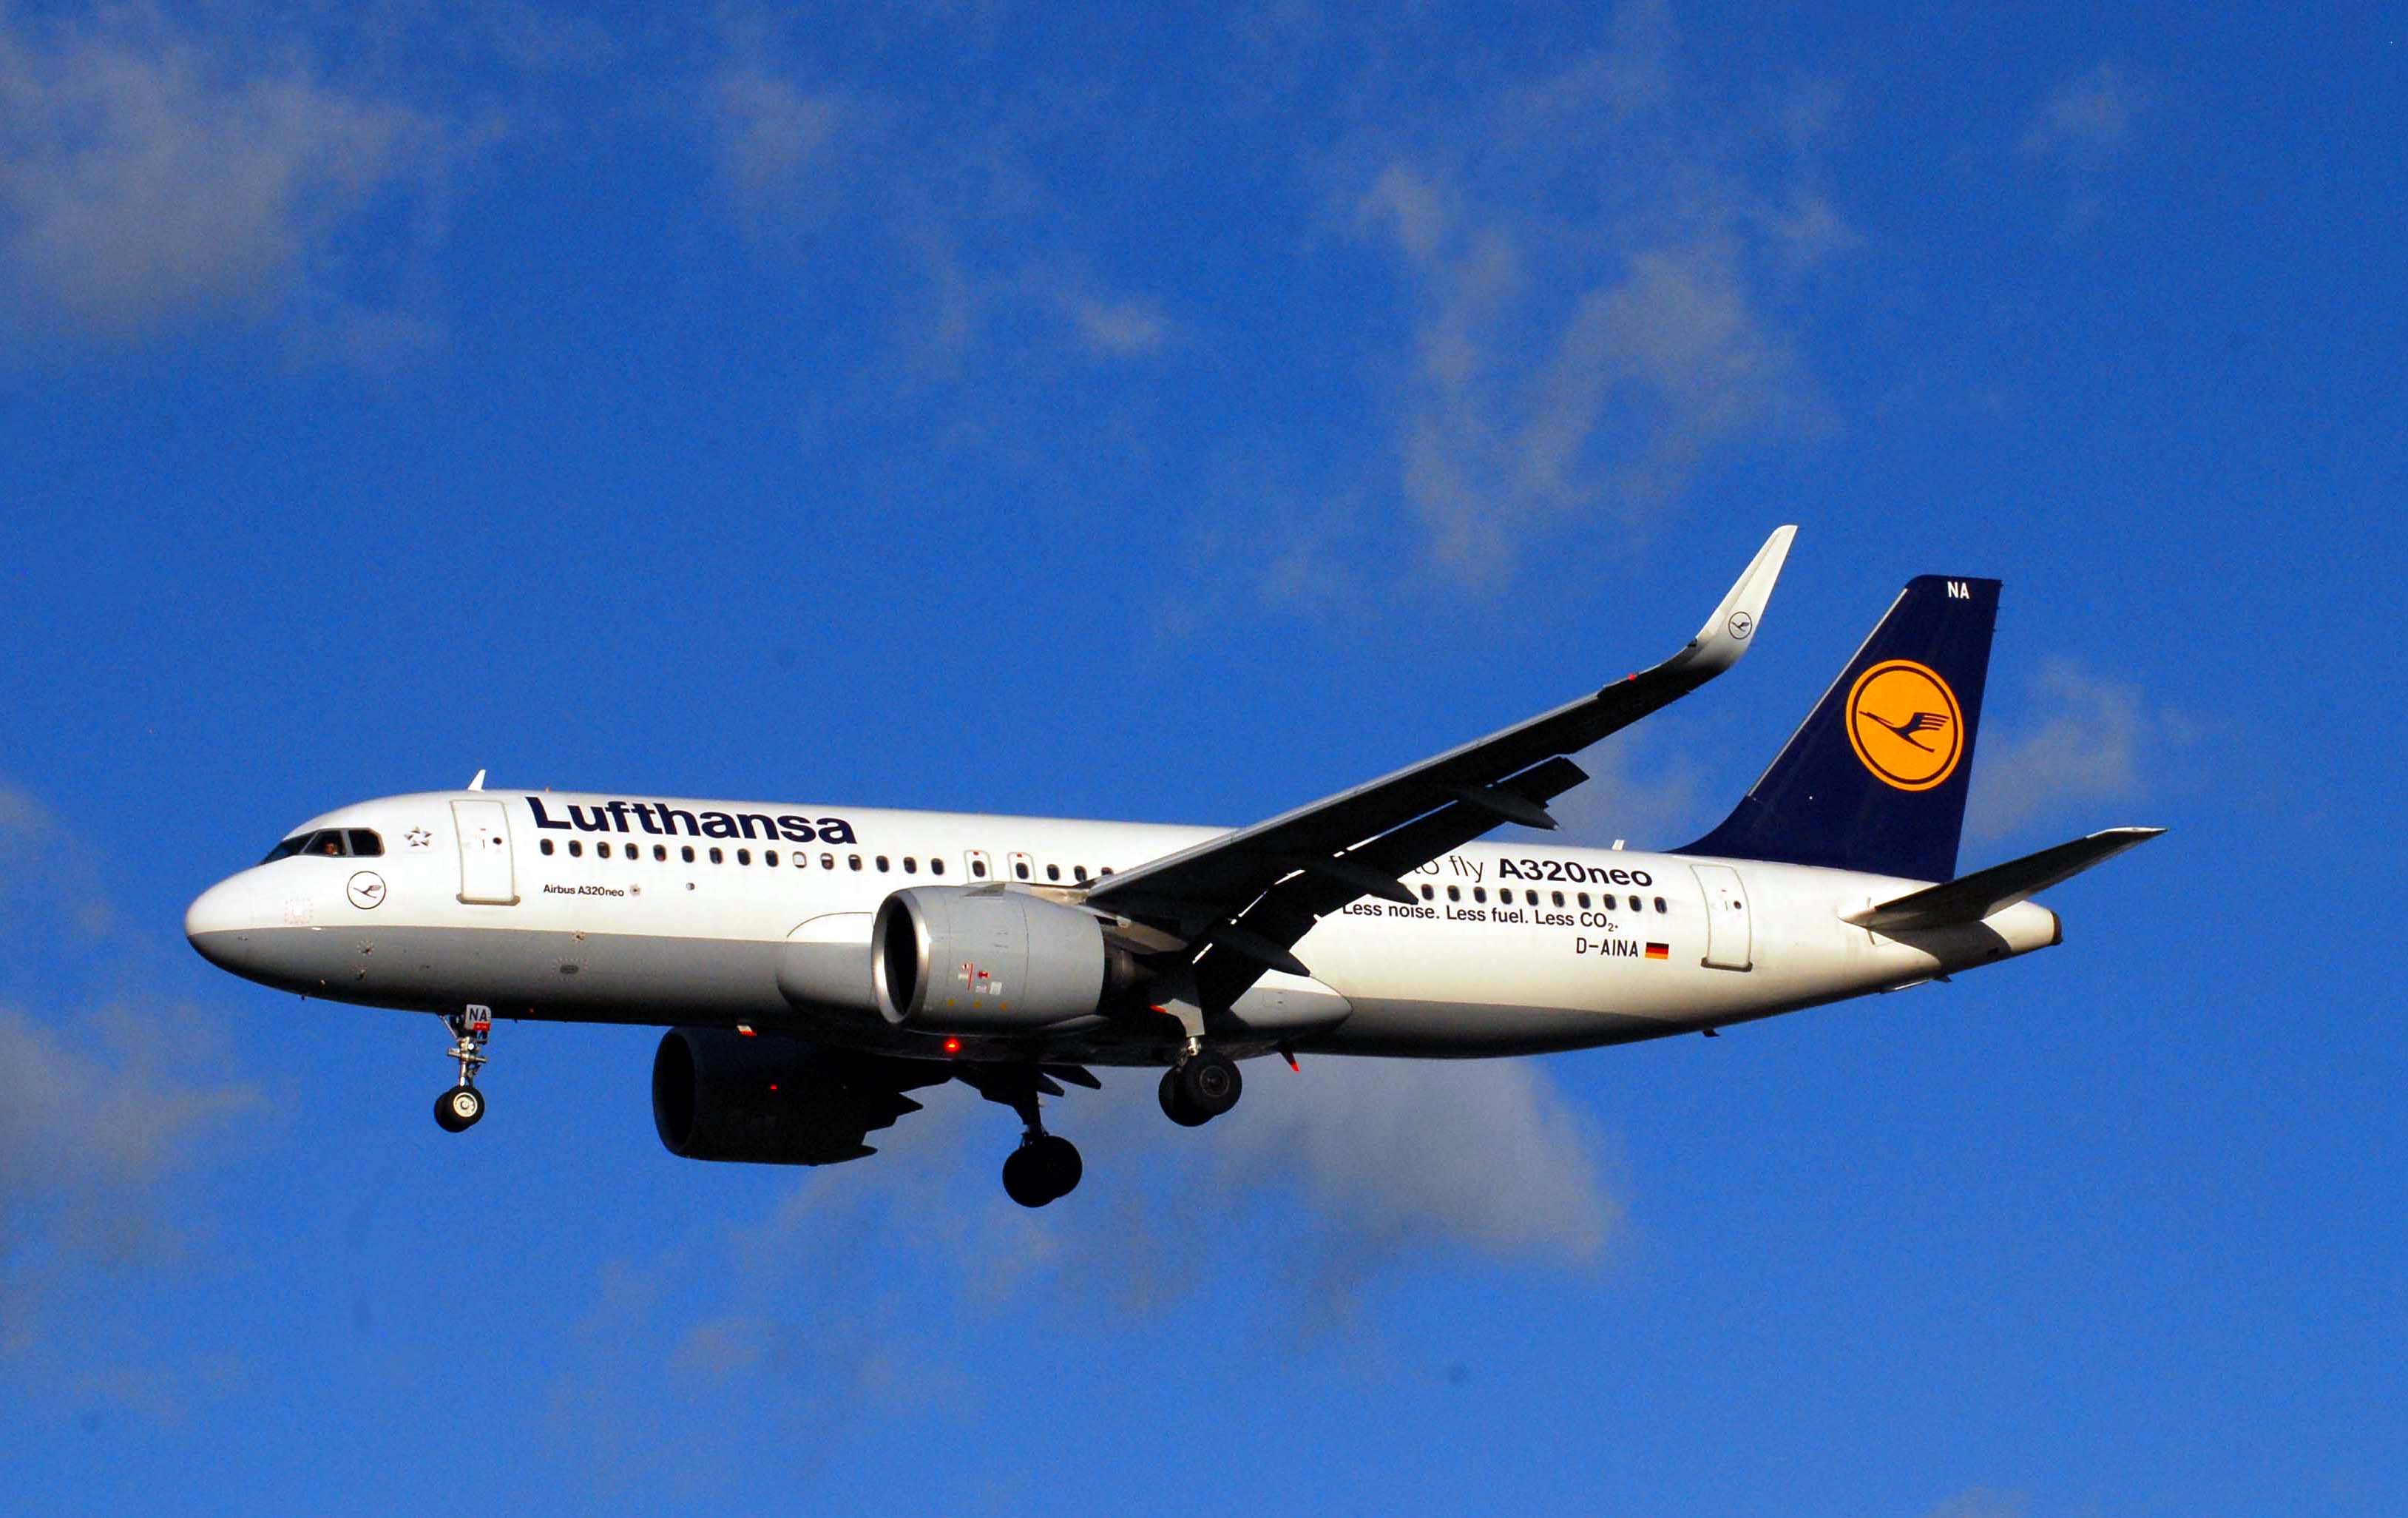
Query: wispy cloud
[1982,1502]
[151,176]
[773,138]
[1593,280]
[931,193]
[2085,739]
[2087,114]
[103,1113]
[1321,1187]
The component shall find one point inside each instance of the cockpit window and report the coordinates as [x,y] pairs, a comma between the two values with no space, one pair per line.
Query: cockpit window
[329,843]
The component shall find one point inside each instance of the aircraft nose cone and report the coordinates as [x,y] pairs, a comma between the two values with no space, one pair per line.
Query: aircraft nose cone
[220,919]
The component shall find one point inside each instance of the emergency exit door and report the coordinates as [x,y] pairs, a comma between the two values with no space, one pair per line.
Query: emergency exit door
[487,876]
[1730,940]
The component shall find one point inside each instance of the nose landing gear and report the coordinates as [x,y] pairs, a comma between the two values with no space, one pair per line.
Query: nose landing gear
[459,1107]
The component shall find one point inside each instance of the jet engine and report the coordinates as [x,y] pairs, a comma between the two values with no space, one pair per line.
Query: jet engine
[977,960]
[721,1095]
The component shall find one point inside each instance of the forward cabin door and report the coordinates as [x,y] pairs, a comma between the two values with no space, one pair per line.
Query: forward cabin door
[487,875]
[1729,944]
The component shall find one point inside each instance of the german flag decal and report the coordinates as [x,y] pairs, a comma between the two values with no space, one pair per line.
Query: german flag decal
[1659,951]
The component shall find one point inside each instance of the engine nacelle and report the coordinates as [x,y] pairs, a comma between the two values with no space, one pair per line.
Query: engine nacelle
[719,1095]
[972,959]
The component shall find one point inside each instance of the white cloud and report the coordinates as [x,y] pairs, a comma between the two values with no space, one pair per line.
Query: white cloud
[1116,326]
[1980,1502]
[2086,739]
[2085,115]
[150,178]
[774,139]
[103,1113]
[1593,289]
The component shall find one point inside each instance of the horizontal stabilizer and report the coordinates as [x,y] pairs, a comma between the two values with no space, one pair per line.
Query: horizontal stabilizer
[1971,898]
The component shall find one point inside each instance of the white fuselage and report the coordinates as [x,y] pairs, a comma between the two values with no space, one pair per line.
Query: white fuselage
[584,907]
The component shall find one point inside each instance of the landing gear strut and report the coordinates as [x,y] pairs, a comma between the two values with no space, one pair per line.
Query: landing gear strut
[1200,1088]
[463,1103]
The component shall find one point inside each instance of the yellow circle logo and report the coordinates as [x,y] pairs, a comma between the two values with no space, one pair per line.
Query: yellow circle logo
[1904,724]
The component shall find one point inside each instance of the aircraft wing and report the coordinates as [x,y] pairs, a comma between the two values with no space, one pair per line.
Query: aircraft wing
[1254,893]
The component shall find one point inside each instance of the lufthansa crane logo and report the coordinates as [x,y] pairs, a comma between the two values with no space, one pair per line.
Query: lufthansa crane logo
[1904,724]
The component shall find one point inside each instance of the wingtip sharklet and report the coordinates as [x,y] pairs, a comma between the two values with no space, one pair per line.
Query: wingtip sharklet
[1727,634]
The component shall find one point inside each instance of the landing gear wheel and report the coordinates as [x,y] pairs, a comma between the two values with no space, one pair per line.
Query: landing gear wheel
[1058,1163]
[1175,1105]
[459,1109]
[1210,1084]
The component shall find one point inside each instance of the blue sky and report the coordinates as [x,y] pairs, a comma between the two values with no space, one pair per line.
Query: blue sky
[1179,416]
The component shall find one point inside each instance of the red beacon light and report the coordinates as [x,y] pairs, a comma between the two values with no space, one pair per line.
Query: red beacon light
[953,1046]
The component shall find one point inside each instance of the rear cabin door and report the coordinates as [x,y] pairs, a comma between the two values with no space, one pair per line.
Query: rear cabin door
[487,876]
[1729,944]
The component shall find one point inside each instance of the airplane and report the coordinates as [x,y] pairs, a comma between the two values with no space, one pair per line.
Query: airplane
[814,964]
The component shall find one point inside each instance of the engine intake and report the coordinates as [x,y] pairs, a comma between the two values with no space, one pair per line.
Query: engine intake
[984,961]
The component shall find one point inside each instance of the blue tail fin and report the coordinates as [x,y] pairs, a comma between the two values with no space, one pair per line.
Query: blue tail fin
[1875,778]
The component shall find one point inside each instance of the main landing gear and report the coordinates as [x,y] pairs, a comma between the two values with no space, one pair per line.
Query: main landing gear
[1045,1168]
[463,1103]
[1200,1088]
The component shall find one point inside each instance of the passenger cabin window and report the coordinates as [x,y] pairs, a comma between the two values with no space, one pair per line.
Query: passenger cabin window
[1428,894]
[978,868]
[935,867]
[661,852]
[883,865]
[544,844]
[576,849]
[1052,871]
[1479,893]
[685,852]
[602,850]
[718,858]
[1455,893]
[1019,870]
[769,855]
[1080,871]
[1558,896]
[743,856]
[853,859]
[827,861]
[1660,903]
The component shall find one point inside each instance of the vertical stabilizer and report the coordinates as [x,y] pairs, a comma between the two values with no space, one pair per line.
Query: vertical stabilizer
[1875,778]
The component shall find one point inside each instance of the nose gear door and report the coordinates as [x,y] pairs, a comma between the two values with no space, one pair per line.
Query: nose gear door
[1729,944]
[487,875]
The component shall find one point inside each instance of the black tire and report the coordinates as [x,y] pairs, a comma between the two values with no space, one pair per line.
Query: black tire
[1175,1105]
[457,1110]
[1057,1164]
[1210,1084]
[1024,1178]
